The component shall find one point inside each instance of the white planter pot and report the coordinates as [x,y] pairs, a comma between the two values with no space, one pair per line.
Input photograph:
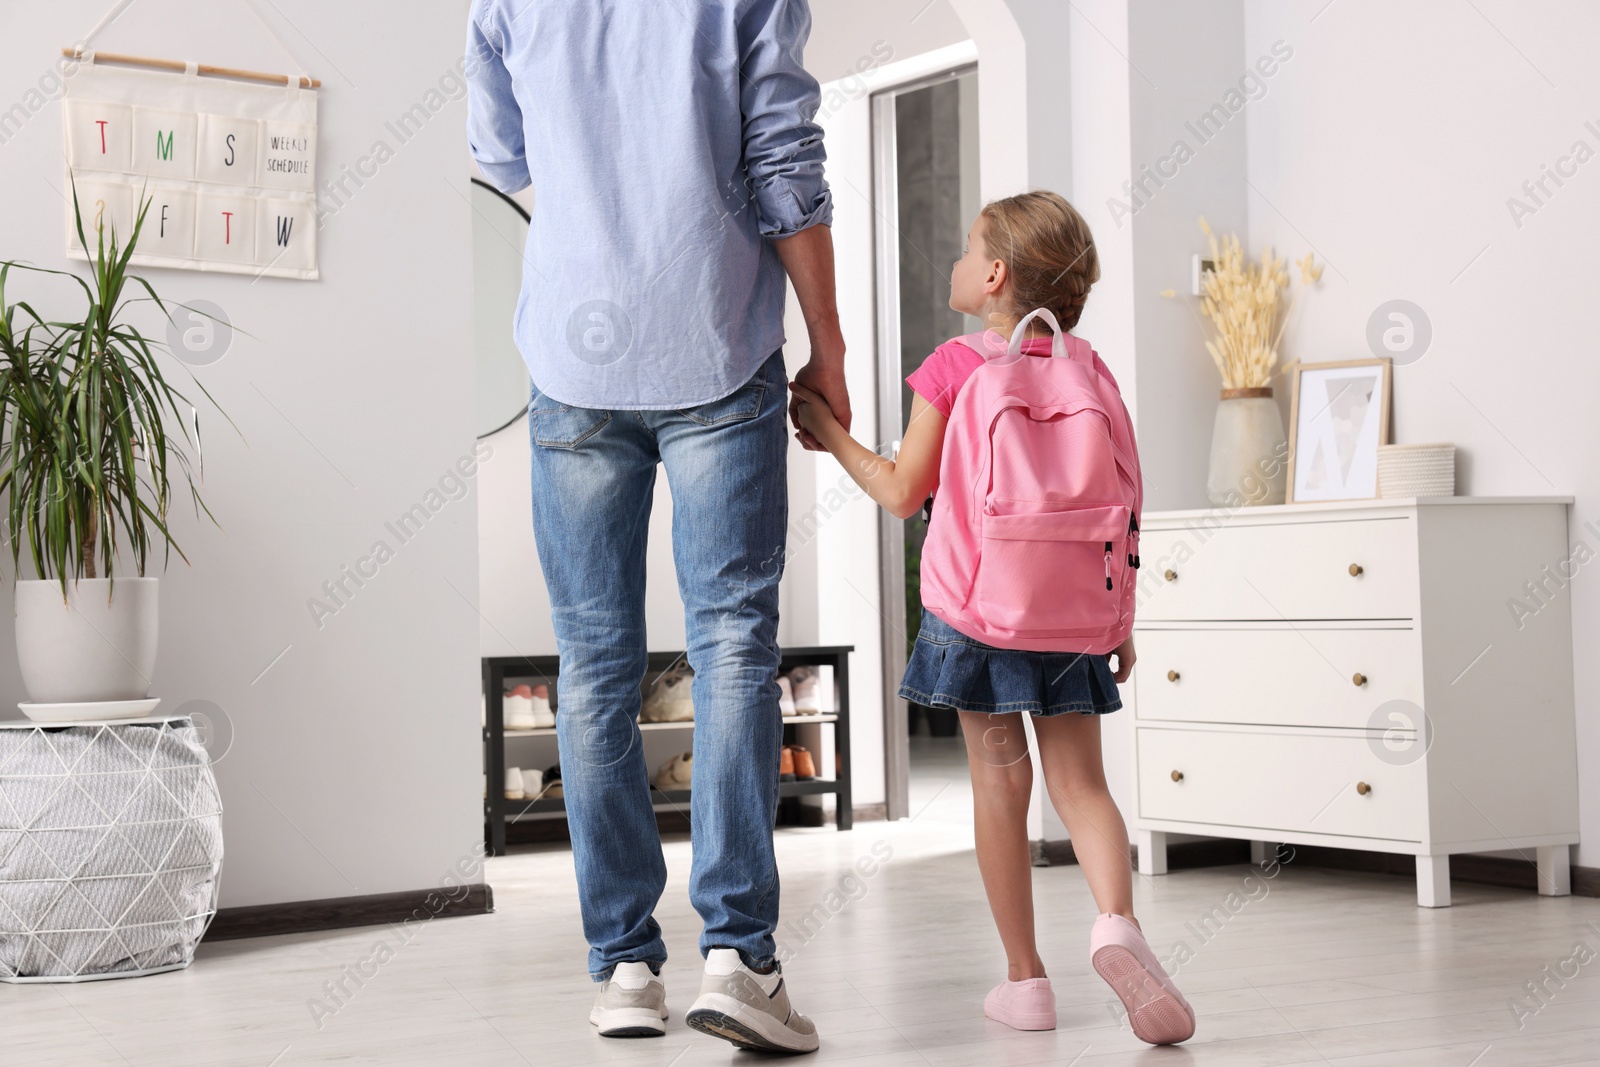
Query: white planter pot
[99,644]
[1247,450]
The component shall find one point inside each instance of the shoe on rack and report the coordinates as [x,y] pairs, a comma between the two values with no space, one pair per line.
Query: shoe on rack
[749,1009]
[807,699]
[1026,1005]
[543,717]
[669,699]
[675,774]
[631,1003]
[514,784]
[1156,1010]
[786,765]
[805,768]
[785,695]
[532,784]
[518,708]
[552,784]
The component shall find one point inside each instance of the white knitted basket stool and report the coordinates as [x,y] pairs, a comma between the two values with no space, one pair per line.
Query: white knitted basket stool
[110,848]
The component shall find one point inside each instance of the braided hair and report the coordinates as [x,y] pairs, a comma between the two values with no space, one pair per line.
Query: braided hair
[1048,250]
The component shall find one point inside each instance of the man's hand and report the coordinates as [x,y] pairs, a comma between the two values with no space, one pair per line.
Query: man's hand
[808,258]
[823,376]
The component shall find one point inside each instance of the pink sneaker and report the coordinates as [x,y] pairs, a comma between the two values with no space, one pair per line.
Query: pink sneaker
[1026,1005]
[1156,1010]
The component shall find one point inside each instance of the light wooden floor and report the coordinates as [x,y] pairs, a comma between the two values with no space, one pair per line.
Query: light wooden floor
[1314,967]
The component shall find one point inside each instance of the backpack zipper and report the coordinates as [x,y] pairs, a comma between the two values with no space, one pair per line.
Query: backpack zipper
[1108,566]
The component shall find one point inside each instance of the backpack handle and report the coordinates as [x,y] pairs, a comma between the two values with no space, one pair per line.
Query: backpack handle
[1058,349]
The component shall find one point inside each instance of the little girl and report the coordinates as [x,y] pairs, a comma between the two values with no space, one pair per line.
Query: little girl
[1027,252]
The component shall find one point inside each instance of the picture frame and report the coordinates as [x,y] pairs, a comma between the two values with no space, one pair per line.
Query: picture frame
[1340,412]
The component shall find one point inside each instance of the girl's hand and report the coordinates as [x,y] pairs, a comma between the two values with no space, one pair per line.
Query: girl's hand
[815,416]
[1125,659]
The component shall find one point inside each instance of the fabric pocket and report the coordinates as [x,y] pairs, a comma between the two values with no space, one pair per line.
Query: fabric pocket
[742,404]
[556,425]
[1053,573]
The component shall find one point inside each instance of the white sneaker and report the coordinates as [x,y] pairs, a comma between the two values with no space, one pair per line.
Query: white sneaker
[514,784]
[669,699]
[519,708]
[785,695]
[543,717]
[806,693]
[749,1009]
[532,784]
[675,774]
[631,1003]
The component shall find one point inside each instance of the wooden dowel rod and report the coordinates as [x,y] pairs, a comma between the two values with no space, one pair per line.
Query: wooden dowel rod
[204,68]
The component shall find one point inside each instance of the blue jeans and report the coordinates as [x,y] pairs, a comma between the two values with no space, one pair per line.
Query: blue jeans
[594,473]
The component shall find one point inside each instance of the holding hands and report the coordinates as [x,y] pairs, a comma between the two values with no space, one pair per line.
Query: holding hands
[814,417]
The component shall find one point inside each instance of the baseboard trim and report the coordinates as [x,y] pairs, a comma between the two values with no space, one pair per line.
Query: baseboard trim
[869,812]
[336,913]
[1220,852]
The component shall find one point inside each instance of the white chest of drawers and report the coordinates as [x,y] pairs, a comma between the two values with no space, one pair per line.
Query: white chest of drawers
[1360,675]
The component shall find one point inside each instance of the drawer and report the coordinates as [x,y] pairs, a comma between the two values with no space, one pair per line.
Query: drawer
[1279,781]
[1276,677]
[1281,571]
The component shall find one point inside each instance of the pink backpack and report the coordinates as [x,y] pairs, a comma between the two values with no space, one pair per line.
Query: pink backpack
[1033,542]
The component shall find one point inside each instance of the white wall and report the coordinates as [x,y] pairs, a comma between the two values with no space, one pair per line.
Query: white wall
[845,33]
[1392,145]
[355,762]
[1185,60]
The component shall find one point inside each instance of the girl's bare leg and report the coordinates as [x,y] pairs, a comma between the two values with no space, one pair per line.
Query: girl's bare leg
[1002,784]
[1069,752]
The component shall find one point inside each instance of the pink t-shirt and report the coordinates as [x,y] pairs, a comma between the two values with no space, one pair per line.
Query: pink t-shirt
[942,374]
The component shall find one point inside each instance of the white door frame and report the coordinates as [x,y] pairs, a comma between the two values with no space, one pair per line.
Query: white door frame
[891,530]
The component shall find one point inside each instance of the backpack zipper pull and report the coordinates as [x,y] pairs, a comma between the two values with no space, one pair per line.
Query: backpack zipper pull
[1108,566]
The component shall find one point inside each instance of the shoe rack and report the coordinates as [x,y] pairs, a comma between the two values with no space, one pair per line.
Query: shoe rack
[826,735]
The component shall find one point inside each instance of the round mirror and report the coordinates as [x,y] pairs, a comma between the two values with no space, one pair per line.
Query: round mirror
[499,235]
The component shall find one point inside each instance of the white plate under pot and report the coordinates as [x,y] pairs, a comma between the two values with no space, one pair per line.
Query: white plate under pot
[90,711]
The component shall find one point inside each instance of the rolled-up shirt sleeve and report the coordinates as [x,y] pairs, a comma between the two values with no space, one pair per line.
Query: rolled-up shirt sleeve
[494,119]
[783,150]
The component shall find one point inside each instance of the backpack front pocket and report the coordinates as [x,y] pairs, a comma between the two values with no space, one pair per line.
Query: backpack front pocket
[1053,573]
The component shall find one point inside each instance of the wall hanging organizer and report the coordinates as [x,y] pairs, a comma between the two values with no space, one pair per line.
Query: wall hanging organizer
[226,157]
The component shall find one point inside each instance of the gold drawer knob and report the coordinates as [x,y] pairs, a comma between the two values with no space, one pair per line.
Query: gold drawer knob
[1358,678]
[1177,776]
[1363,788]
[1171,576]
[1356,570]
[1172,676]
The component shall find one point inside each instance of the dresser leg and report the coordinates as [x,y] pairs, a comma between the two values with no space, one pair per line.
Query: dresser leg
[1555,871]
[1433,881]
[1152,852]
[1260,853]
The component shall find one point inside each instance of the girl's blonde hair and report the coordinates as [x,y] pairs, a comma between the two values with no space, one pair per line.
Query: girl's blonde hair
[1048,249]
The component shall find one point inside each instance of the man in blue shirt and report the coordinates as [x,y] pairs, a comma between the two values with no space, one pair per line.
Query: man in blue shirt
[678,177]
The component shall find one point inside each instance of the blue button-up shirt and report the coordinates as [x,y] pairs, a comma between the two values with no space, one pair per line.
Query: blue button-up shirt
[667,142]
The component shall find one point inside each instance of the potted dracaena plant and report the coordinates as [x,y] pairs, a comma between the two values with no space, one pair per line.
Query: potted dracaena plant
[87,466]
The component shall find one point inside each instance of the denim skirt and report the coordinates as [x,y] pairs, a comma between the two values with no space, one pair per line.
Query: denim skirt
[948,669]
